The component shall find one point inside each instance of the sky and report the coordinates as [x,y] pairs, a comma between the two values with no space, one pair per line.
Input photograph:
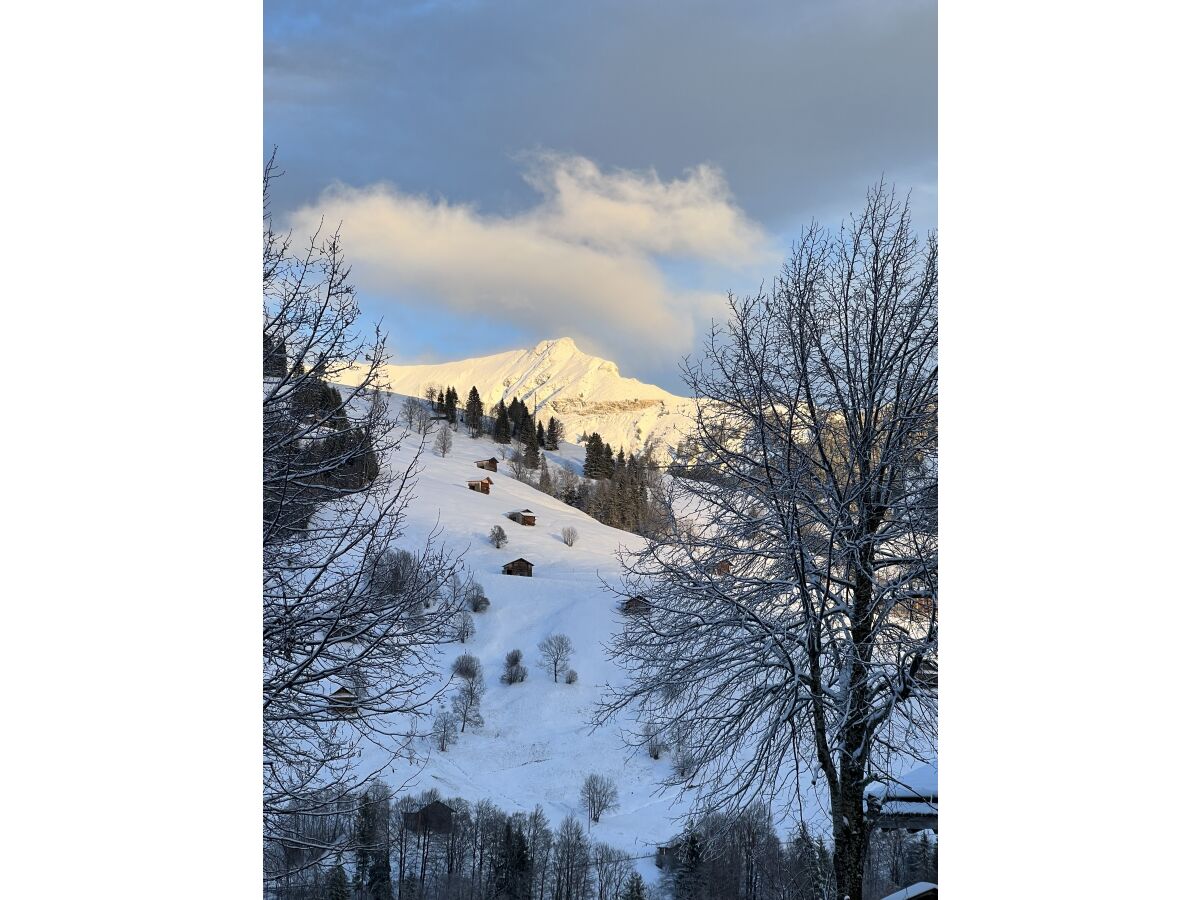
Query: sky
[507,172]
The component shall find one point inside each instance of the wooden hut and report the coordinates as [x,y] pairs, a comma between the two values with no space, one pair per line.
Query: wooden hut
[484,485]
[724,567]
[518,567]
[635,606]
[490,463]
[343,702]
[523,517]
[435,817]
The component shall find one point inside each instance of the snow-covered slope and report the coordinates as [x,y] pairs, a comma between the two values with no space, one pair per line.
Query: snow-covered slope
[536,746]
[585,392]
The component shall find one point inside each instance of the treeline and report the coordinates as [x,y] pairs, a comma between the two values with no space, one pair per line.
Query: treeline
[434,848]
[411,847]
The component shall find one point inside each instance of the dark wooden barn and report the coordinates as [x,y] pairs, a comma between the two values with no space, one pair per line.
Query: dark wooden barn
[518,567]
[523,517]
[484,485]
[635,606]
[909,803]
[490,463]
[724,567]
[667,856]
[436,817]
[343,702]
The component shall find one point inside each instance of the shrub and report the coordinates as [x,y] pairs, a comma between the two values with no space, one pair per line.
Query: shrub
[514,672]
[570,535]
[497,537]
[476,600]
[572,676]
[466,666]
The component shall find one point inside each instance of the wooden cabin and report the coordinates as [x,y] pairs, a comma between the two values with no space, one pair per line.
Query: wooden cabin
[523,517]
[484,486]
[724,567]
[342,702]
[518,567]
[490,463]
[435,817]
[667,856]
[635,606]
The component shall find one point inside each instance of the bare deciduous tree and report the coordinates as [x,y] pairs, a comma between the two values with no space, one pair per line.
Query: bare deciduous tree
[340,614]
[466,703]
[556,653]
[497,537]
[444,441]
[464,627]
[445,730]
[598,795]
[466,666]
[570,535]
[793,618]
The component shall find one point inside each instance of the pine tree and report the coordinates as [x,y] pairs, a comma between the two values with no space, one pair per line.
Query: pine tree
[593,461]
[689,877]
[501,432]
[635,888]
[337,885]
[452,405]
[515,417]
[541,435]
[473,414]
[609,464]
[529,439]
[553,434]
[545,483]
[440,409]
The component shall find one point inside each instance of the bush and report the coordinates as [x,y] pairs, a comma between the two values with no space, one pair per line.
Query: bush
[466,666]
[570,535]
[497,537]
[514,672]
[572,676]
[476,600]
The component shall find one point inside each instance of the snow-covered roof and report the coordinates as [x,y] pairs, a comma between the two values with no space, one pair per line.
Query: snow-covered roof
[918,784]
[913,890]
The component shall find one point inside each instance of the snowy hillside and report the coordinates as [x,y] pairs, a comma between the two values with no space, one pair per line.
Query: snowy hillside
[585,392]
[535,746]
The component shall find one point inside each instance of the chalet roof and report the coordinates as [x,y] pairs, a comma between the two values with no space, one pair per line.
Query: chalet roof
[920,889]
[489,459]
[479,481]
[919,784]
[530,511]
[517,560]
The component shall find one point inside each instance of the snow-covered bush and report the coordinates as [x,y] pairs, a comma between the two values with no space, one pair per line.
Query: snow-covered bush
[571,677]
[570,535]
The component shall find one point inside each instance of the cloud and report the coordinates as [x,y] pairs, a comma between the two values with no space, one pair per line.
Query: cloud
[585,260]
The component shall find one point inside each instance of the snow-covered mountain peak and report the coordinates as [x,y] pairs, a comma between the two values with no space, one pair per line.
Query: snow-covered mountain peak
[586,393]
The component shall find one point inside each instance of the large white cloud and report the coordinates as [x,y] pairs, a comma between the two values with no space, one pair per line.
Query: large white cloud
[585,260]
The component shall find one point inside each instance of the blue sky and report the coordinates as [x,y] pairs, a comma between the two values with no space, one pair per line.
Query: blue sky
[510,171]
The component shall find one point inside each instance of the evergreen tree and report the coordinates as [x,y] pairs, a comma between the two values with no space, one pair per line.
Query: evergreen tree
[513,866]
[593,460]
[541,435]
[689,875]
[473,413]
[440,409]
[553,434]
[609,464]
[635,888]
[529,439]
[501,432]
[337,885]
[545,483]
[515,415]
[452,405]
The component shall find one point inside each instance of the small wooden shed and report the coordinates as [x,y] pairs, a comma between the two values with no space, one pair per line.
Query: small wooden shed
[523,517]
[490,463]
[667,856]
[724,567]
[343,702]
[518,566]
[484,485]
[907,803]
[436,816]
[635,606]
